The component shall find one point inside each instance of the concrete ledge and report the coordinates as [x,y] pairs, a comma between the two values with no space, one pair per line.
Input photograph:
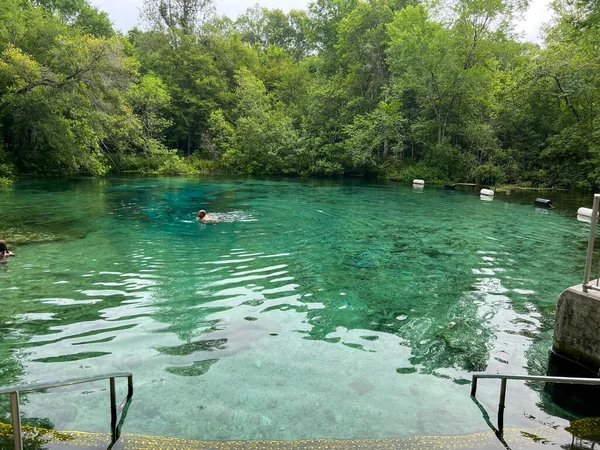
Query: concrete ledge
[39,438]
[577,326]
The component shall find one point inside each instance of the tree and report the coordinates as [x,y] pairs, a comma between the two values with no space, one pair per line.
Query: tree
[66,96]
[264,28]
[446,75]
[324,19]
[57,96]
[196,83]
[80,14]
[361,50]
[266,141]
[173,16]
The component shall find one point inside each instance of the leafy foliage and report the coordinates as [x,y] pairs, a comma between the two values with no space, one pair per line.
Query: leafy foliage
[443,92]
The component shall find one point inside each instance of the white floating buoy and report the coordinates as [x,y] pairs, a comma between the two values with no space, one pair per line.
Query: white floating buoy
[585,212]
[418,181]
[542,202]
[586,219]
[486,198]
[487,192]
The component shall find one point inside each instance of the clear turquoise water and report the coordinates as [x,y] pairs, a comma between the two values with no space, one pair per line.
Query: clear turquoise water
[313,309]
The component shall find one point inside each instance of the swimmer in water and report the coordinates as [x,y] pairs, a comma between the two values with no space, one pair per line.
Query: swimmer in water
[205,217]
[4,251]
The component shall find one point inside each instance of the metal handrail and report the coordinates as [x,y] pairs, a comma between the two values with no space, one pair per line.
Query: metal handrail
[535,378]
[590,249]
[13,391]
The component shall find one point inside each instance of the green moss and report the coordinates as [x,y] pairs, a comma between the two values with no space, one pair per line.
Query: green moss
[588,429]
[34,437]
[16,237]
[193,347]
[72,357]
[194,370]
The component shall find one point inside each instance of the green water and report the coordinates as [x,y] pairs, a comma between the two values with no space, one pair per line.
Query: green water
[313,309]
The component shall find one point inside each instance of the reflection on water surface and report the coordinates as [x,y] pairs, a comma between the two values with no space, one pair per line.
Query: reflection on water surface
[312,309]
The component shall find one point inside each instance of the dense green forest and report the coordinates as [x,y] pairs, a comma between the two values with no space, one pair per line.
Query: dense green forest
[443,91]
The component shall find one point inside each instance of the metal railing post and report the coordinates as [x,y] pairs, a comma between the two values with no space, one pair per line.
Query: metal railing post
[113,411]
[16,420]
[130,386]
[531,378]
[590,249]
[115,426]
[501,406]
[474,386]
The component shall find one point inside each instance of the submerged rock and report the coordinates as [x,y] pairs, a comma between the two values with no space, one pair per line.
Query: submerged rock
[233,420]
[362,386]
[332,416]
[19,237]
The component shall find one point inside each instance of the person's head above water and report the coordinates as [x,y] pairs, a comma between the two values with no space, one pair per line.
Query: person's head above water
[4,251]
[203,217]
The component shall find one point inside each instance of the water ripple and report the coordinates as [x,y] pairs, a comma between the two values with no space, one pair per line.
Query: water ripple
[313,309]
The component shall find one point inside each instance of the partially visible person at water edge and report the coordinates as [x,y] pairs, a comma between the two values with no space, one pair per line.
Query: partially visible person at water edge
[4,251]
[205,217]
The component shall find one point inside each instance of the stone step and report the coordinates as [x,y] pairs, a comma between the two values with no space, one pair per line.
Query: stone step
[38,438]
